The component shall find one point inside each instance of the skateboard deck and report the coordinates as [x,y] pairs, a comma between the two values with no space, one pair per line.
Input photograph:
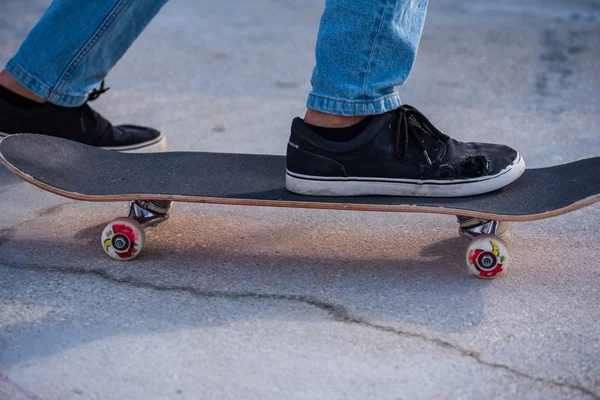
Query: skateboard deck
[151,182]
[87,173]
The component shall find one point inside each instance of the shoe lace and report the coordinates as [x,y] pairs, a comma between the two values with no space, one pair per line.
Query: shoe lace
[411,123]
[97,92]
[99,123]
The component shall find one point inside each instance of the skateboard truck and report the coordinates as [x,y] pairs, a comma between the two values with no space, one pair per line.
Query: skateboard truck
[149,212]
[471,227]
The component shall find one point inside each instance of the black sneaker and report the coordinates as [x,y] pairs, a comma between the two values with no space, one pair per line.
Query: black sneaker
[399,153]
[81,124]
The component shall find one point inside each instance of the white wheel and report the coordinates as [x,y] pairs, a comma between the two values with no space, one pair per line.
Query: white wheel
[123,239]
[487,256]
[503,227]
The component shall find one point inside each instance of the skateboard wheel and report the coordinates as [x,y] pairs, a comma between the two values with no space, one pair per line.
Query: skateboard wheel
[487,256]
[123,239]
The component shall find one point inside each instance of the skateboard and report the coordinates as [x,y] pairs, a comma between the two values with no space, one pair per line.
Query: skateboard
[152,182]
